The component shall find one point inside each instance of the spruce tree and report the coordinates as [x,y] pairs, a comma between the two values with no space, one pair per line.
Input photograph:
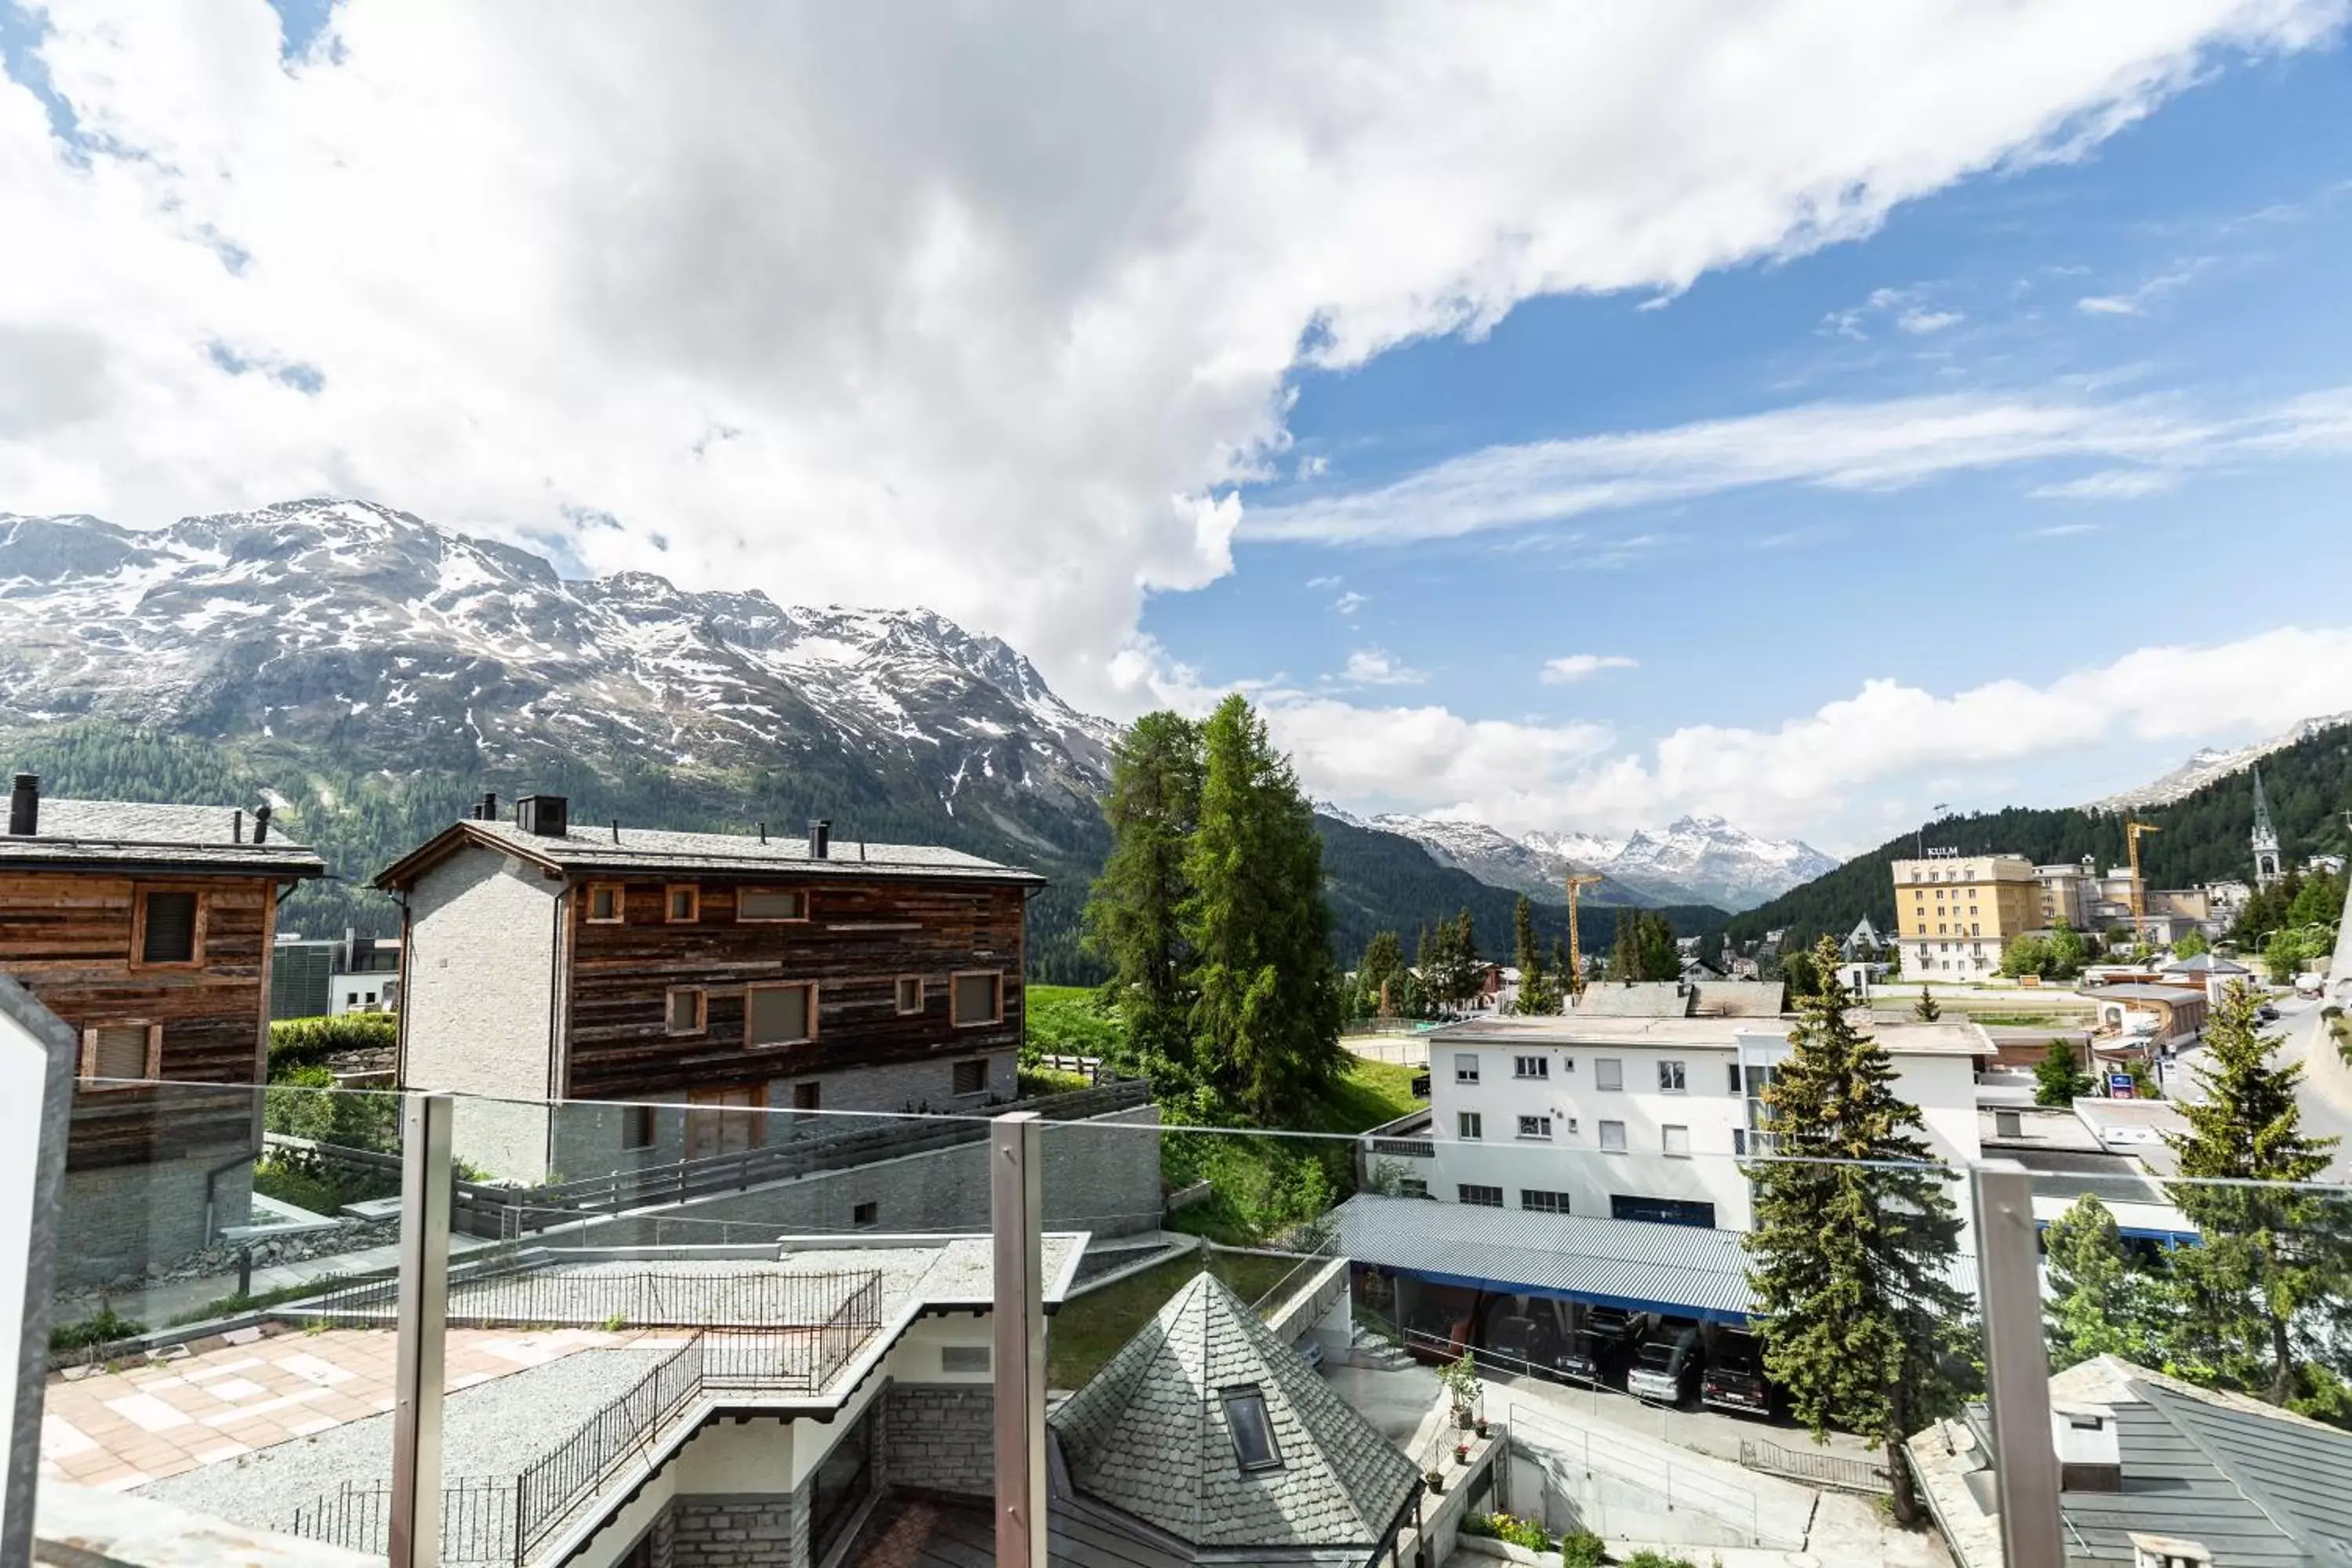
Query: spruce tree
[2057,1081]
[1378,978]
[1133,918]
[1525,956]
[2098,1304]
[1926,1009]
[2268,1253]
[1854,1232]
[1265,1016]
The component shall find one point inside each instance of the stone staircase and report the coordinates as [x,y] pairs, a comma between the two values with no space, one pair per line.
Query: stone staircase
[1370,1350]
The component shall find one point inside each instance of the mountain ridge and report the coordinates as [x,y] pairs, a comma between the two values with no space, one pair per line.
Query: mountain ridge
[1698,858]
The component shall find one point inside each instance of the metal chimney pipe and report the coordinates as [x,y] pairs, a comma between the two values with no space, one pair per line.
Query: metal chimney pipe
[820,837]
[237,825]
[24,807]
[261,823]
[489,805]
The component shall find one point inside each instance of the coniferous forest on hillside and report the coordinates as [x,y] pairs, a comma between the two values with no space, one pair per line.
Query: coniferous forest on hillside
[2203,838]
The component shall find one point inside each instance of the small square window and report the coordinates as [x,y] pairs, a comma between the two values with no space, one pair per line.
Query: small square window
[1531,1067]
[1612,1137]
[778,1015]
[866,1215]
[1735,1077]
[1469,1124]
[686,1010]
[122,1053]
[685,903]
[1412,1188]
[979,998]
[972,1076]
[1607,1072]
[1677,1142]
[1252,1434]
[1465,1068]
[168,927]
[805,1096]
[770,904]
[1535,1126]
[638,1127]
[606,906]
[1670,1078]
[910,997]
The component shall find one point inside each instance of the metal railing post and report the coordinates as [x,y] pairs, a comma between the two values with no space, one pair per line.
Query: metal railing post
[2017,1367]
[1016,1214]
[418,1362]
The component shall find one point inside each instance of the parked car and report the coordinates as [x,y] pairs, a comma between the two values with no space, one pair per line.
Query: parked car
[1667,1368]
[1600,1350]
[2267,1014]
[1521,1333]
[1734,1379]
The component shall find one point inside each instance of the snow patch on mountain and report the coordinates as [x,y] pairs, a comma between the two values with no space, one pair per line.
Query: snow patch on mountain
[1695,860]
[2210,762]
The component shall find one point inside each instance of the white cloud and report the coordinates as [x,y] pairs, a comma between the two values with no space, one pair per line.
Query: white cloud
[1314,466]
[2136,301]
[1840,446]
[2065,529]
[1348,603]
[836,303]
[1377,666]
[2111,484]
[1575,667]
[1919,322]
[1315,582]
[1828,774]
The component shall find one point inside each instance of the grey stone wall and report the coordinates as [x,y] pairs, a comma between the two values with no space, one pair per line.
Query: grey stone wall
[1101,1175]
[759,1529]
[939,1436]
[119,1222]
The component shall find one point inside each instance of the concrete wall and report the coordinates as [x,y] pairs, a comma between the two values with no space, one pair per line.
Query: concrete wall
[480,978]
[120,1221]
[1100,1175]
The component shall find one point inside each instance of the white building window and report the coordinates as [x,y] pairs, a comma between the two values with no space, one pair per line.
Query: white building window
[1670,1078]
[1535,1126]
[1465,1068]
[1607,1072]
[1531,1067]
[1542,1202]
[1480,1197]
[1677,1142]
[1612,1137]
[1469,1124]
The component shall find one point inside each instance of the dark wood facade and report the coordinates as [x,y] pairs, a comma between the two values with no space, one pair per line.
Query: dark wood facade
[859,940]
[72,937]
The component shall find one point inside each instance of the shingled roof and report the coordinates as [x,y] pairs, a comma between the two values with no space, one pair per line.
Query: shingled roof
[1149,1436]
[139,836]
[586,851]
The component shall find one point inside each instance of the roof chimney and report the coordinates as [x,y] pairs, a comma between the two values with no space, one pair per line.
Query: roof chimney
[261,823]
[544,816]
[489,805]
[820,837]
[237,825]
[24,807]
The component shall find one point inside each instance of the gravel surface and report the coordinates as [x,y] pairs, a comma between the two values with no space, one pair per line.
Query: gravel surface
[492,1430]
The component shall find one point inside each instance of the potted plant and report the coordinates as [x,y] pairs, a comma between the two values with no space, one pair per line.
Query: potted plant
[1435,1481]
[1482,1426]
[1460,1380]
[1461,1453]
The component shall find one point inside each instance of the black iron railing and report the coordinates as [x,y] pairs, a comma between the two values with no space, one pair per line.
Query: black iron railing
[701,1297]
[478,1521]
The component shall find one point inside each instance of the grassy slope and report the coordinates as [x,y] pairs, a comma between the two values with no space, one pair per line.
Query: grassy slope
[1086,1333]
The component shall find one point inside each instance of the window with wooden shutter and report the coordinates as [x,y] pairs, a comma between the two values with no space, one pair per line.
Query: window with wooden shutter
[770,904]
[778,1015]
[607,905]
[686,1009]
[167,926]
[979,998]
[121,1053]
[685,903]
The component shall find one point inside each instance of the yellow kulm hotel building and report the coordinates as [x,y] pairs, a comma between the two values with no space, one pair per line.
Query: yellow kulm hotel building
[1954,913]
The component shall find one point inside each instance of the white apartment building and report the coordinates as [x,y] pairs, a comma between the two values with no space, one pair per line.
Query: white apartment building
[1638,1119]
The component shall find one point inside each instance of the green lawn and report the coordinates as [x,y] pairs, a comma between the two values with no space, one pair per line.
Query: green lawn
[1371,1093]
[1063,1020]
[1085,1333]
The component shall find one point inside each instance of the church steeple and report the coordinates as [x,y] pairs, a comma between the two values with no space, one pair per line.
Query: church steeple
[2266,838]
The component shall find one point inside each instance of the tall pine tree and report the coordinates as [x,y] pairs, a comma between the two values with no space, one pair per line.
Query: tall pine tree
[2271,1256]
[1379,978]
[1537,993]
[1855,1231]
[2098,1304]
[1266,1019]
[1133,919]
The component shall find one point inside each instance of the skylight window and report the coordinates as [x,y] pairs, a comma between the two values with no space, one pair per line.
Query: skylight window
[1254,1444]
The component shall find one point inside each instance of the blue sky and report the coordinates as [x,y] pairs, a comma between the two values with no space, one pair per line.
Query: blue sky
[2195,262]
[1561,417]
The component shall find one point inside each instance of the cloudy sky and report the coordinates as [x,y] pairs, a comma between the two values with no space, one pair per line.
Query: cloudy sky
[1567,416]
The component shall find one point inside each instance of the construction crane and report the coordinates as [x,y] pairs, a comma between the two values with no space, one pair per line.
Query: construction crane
[1577,881]
[2132,830]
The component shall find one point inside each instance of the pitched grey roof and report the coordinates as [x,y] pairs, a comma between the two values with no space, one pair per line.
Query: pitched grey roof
[2261,1489]
[2205,963]
[141,835]
[1635,999]
[589,849]
[1148,1435]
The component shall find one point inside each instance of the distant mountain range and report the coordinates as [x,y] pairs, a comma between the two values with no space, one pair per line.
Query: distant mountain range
[2210,762]
[1695,860]
[372,674]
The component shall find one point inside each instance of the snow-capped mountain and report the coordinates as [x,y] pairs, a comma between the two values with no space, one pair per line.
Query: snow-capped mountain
[411,646]
[1696,860]
[2209,762]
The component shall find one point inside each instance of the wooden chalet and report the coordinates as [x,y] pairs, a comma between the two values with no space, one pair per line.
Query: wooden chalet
[718,974]
[149,928]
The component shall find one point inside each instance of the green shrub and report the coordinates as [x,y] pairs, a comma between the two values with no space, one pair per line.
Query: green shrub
[103,1326]
[312,1042]
[1510,1528]
[1657,1560]
[1036,1081]
[1582,1550]
[303,1102]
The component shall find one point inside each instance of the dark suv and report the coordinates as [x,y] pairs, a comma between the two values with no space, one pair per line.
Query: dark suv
[1735,1377]
[1599,1350]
